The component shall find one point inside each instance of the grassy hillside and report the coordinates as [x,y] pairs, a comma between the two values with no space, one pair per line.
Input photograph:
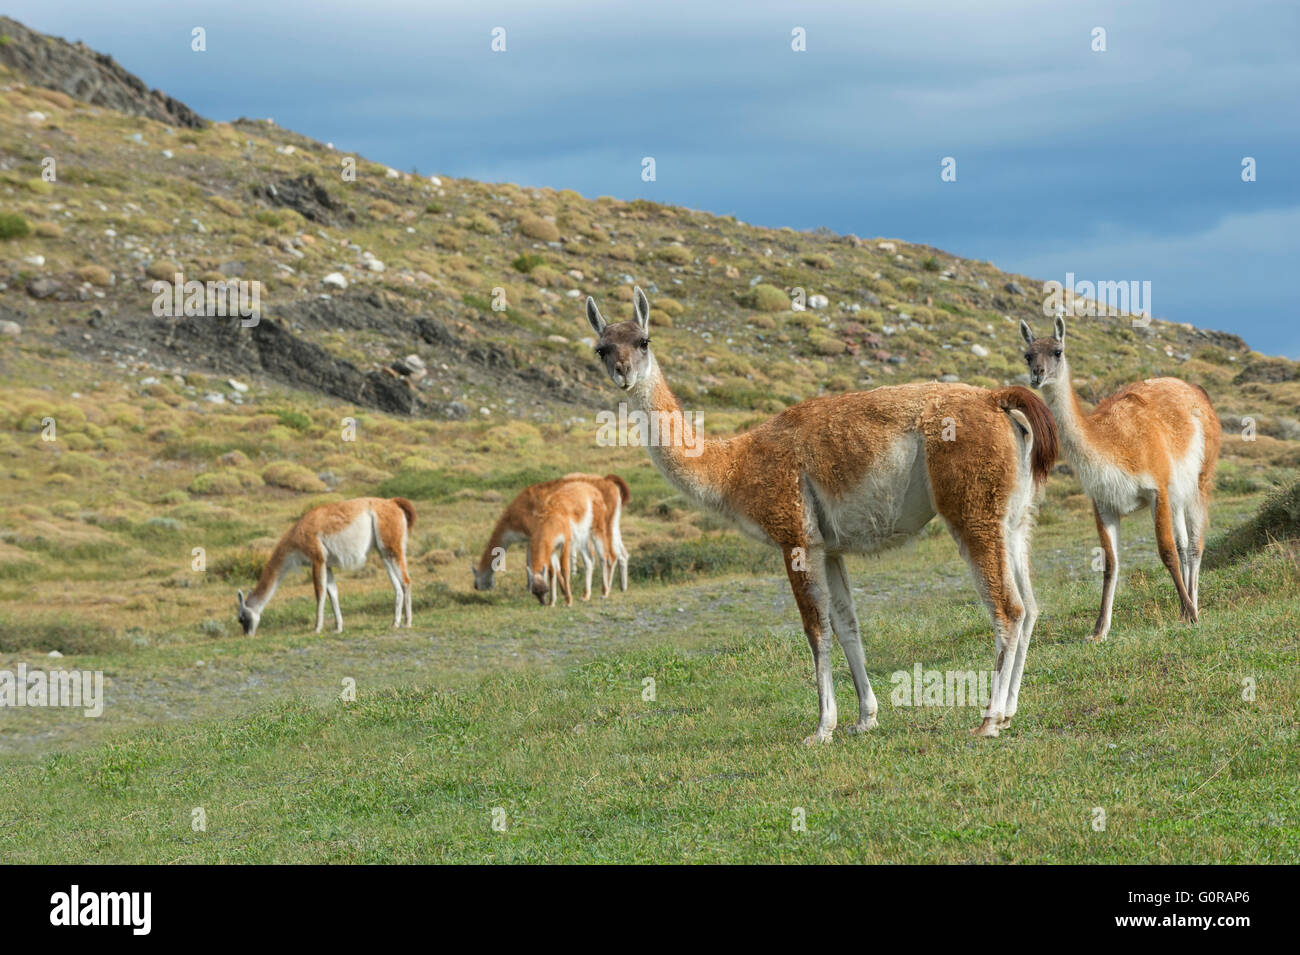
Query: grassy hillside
[147,464]
[1150,728]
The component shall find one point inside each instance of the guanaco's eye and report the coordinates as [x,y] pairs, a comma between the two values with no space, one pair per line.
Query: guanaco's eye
[1028,357]
[643,344]
[1058,353]
[602,350]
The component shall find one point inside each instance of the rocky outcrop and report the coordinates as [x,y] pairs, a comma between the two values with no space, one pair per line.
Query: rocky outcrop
[80,72]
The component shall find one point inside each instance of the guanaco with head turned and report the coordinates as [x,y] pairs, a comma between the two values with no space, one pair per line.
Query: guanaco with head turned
[338,535]
[1154,443]
[856,473]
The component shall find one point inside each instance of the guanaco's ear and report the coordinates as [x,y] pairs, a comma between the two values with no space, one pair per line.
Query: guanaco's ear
[239,598]
[1026,332]
[641,305]
[594,318]
[1060,329]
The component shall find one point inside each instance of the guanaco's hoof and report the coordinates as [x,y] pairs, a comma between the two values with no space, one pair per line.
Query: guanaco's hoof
[987,728]
[818,737]
[862,726]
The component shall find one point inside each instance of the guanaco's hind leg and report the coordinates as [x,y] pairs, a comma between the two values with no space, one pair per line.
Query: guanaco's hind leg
[318,571]
[806,568]
[844,620]
[332,588]
[990,565]
[589,563]
[391,544]
[1020,570]
[566,565]
[1199,522]
[1166,544]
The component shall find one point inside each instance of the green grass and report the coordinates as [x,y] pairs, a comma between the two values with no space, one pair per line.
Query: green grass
[1150,727]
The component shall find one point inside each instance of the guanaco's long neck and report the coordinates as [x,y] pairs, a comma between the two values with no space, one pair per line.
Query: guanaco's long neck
[275,567]
[692,463]
[506,524]
[1071,419]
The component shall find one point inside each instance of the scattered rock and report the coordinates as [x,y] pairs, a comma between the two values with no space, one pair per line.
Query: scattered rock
[1015,288]
[979,351]
[335,280]
[10,328]
[43,288]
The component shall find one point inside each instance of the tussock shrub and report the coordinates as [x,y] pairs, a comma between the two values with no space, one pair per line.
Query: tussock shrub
[227,481]
[1278,519]
[449,239]
[292,476]
[164,270]
[228,206]
[675,255]
[238,566]
[765,298]
[819,260]
[13,226]
[538,228]
[95,275]
[527,262]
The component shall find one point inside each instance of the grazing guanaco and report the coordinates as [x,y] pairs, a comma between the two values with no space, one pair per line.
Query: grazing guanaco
[572,517]
[857,473]
[338,535]
[616,494]
[518,521]
[1154,443]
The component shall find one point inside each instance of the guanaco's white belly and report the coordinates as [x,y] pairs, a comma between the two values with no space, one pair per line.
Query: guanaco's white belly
[887,507]
[347,549]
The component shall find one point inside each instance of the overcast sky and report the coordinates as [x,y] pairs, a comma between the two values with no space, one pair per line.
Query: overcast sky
[1115,165]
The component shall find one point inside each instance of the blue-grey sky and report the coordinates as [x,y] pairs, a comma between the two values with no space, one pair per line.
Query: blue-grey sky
[1115,165]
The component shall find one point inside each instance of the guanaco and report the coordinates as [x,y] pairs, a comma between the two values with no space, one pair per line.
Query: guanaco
[519,519]
[616,494]
[1154,443]
[856,473]
[571,518]
[338,535]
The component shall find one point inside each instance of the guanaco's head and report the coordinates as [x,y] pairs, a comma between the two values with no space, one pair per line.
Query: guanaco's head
[624,348]
[248,617]
[483,579]
[539,584]
[1044,356]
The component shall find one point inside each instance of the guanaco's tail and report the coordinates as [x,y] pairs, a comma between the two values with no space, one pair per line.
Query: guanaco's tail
[624,491]
[1041,424]
[408,509]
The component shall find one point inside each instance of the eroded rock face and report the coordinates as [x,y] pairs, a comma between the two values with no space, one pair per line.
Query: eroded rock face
[306,196]
[80,72]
